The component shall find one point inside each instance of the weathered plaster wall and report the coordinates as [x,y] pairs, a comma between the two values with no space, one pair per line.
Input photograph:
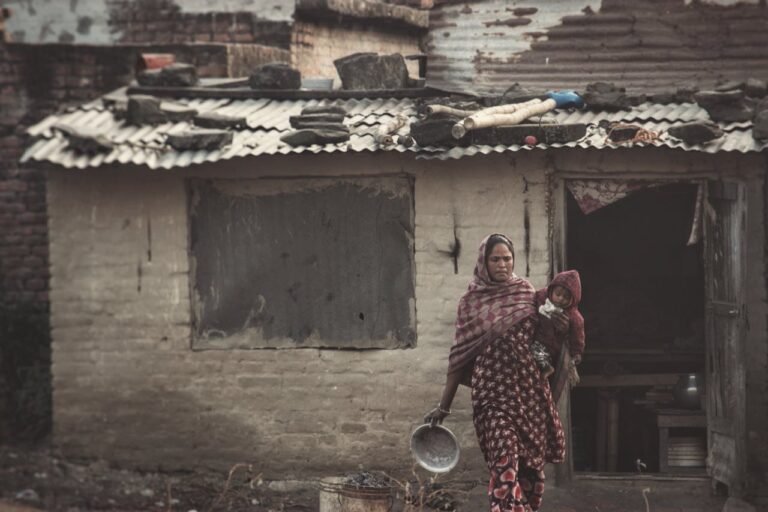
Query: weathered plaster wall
[315,45]
[104,21]
[296,412]
[302,412]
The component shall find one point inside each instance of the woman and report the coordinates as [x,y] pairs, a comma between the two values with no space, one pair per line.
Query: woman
[515,418]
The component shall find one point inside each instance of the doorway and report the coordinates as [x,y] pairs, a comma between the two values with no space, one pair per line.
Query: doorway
[643,301]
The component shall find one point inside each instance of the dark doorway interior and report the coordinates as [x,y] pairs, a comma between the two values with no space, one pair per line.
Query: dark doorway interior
[643,301]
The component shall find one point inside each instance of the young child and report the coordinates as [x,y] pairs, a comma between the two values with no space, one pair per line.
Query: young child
[562,294]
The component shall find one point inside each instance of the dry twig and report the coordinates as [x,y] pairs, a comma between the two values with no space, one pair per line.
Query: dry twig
[232,471]
[645,497]
[168,496]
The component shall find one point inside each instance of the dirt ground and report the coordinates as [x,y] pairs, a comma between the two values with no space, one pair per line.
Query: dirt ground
[37,478]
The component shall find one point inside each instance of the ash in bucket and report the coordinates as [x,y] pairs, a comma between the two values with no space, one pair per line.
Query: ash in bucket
[366,480]
[356,492]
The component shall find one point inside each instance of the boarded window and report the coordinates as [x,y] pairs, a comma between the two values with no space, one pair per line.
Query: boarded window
[302,263]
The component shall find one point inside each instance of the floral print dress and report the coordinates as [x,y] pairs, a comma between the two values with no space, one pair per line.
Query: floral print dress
[515,419]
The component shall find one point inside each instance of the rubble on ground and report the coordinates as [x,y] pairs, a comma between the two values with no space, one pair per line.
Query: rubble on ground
[40,479]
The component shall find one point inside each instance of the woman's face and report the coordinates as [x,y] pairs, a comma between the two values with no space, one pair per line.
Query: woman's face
[500,263]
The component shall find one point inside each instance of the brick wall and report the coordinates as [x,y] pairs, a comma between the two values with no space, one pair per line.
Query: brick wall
[23,265]
[37,80]
[164,22]
[23,246]
[314,46]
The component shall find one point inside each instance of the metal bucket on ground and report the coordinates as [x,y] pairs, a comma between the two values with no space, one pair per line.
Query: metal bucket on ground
[338,496]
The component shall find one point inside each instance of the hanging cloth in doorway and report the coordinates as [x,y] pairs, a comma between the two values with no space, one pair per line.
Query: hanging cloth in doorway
[591,195]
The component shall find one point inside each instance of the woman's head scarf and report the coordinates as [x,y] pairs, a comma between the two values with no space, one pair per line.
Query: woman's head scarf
[487,310]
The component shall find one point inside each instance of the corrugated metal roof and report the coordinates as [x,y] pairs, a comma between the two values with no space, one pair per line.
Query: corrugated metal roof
[268,121]
[644,45]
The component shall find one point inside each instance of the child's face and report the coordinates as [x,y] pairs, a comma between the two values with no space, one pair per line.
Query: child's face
[560,296]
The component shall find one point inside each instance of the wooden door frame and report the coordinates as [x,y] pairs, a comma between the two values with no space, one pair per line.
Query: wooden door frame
[559,261]
[733,427]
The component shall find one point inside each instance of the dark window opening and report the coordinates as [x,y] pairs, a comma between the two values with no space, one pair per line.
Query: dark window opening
[643,303]
[302,263]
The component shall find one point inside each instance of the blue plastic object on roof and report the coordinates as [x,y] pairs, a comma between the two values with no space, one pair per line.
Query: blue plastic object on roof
[566,99]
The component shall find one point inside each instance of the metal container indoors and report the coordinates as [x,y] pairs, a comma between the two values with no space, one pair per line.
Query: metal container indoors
[435,448]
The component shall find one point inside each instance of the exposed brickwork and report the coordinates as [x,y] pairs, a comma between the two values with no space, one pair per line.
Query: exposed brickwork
[36,81]
[163,21]
[314,46]
[23,241]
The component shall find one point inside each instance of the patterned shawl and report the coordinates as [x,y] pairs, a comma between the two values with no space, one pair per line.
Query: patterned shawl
[486,311]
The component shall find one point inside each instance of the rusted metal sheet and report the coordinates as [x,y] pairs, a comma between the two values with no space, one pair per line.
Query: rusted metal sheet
[643,45]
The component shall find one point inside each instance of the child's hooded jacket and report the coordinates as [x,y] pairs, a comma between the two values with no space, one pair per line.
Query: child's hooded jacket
[546,333]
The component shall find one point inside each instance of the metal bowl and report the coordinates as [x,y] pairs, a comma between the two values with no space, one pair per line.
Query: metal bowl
[435,448]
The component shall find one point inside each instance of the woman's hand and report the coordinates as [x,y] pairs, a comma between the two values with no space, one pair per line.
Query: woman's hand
[561,321]
[436,416]
[573,375]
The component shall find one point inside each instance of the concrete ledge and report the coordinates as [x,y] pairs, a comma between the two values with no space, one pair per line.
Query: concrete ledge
[365,10]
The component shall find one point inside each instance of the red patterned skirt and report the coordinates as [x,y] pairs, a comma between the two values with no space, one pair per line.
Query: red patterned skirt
[515,418]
